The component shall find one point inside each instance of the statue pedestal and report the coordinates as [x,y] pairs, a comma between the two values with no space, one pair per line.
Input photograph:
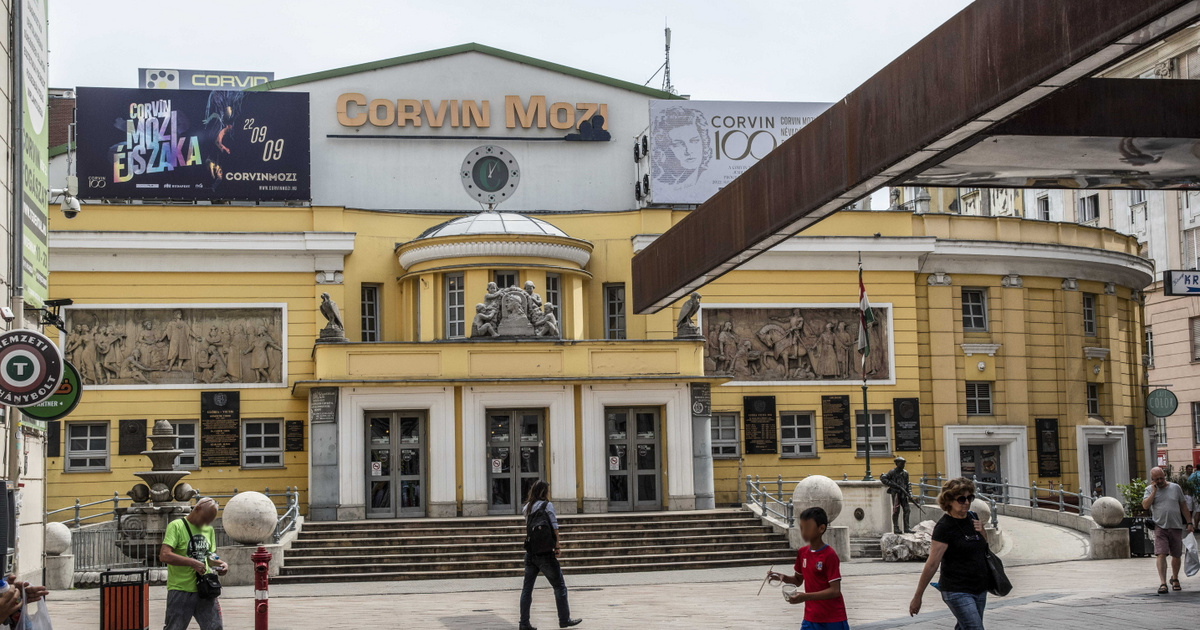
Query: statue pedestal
[332,335]
[140,527]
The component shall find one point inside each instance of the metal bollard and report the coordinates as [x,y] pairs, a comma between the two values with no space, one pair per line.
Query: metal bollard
[262,562]
[779,488]
[1061,506]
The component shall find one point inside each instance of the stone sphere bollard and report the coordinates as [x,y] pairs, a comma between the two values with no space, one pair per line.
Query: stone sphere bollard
[249,518]
[818,491]
[1108,512]
[982,510]
[58,539]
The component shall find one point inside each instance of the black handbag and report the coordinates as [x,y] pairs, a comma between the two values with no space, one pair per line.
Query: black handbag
[998,583]
[208,586]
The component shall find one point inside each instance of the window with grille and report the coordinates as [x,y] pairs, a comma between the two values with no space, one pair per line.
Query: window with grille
[974,309]
[554,294]
[1043,207]
[456,314]
[370,312]
[1093,399]
[1194,327]
[1149,347]
[1191,249]
[614,305]
[1160,429]
[505,279]
[979,399]
[87,446]
[1195,423]
[1089,208]
[185,440]
[1089,314]
[725,435]
[879,430]
[262,443]
[1137,196]
[797,434]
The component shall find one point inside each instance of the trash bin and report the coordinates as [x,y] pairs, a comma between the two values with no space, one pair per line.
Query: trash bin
[125,599]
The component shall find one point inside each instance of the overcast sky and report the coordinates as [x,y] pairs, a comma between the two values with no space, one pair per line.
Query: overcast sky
[798,50]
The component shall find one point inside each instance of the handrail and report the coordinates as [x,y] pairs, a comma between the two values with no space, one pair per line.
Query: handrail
[285,523]
[756,492]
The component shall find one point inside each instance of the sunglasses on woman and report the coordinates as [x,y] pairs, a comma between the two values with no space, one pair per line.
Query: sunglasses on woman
[966,498]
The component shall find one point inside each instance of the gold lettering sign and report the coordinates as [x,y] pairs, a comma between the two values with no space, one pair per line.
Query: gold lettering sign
[356,110]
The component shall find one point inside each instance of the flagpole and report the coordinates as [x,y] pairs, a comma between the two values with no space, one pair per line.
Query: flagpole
[866,411]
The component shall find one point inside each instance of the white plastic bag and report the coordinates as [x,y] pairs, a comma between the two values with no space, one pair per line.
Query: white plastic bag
[1191,555]
[35,616]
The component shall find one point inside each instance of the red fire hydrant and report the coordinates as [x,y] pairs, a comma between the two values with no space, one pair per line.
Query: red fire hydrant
[262,562]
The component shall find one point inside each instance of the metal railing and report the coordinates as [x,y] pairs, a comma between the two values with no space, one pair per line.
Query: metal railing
[758,493]
[287,520]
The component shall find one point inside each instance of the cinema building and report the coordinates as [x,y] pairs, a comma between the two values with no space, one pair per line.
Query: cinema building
[1003,348]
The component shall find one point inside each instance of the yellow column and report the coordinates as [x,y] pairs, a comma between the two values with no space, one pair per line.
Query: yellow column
[1116,339]
[428,324]
[943,353]
[1013,352]
[573,298]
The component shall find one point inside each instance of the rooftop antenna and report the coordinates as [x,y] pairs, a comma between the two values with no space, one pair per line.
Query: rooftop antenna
[666,84]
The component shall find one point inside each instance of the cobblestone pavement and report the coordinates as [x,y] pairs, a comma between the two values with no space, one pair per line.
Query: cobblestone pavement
[1097,595]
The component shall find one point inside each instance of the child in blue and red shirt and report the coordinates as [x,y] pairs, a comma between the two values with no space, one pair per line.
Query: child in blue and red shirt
[818,569]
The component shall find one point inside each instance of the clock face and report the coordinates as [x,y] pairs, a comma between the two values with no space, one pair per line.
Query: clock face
[490,174]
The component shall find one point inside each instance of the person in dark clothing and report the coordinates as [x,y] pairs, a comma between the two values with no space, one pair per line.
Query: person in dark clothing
[544,563]
[960,547]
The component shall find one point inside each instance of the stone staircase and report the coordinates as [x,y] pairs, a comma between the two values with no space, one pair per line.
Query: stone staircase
[418,549]
[866,548]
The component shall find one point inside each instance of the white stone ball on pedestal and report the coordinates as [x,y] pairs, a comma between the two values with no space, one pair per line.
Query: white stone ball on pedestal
[58,539]
[1107,512]
[249,518]
[982,510]
[818,491]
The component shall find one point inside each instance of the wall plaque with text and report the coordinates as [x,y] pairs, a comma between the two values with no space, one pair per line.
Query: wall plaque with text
[1048,462]
[906,416]
[294,438]
[835,421]
[761,429]
[220,430]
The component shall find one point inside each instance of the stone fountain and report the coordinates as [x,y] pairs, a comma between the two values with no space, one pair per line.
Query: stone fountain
[156,502]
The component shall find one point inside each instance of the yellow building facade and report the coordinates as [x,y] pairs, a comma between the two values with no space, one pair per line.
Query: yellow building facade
[1002,348]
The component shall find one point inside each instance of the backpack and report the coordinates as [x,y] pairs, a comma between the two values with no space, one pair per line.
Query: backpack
[539,535]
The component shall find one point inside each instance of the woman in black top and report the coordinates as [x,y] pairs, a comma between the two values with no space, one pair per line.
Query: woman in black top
[960,547]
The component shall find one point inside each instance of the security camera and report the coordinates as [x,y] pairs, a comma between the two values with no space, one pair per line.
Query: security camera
[7,313]
[70,207]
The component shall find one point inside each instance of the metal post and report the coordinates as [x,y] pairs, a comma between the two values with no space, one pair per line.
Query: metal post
[76,513]
[1004,491]
[1033,500]
[1060,497]
[262,561]
[867,425]
[779,488]
[748,489]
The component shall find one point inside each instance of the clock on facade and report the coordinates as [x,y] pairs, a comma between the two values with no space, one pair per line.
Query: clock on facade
[490,174]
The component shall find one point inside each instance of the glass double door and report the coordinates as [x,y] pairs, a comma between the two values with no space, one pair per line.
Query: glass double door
[516,457]
[396,466]
[983,465]
[634,461]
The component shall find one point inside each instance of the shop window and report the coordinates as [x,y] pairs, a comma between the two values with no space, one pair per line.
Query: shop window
[186,441]
[614,302]
[797,434]
[725,435]
[456,317]
[370,312]
[87,446]
[1089,208]
[505,279]
[880,435]
[1043,207]
[1093,399]
[1089,314]
[974,310]
[262,444]
[979,399]
[554,295]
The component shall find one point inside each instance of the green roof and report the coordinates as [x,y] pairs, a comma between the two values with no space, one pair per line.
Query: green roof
[456,50]
[61,149]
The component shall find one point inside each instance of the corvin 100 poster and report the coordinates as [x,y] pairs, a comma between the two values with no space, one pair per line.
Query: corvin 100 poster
[196,145]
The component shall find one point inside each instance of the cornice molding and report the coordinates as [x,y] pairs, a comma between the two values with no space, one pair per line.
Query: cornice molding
[502,249]
[980,348]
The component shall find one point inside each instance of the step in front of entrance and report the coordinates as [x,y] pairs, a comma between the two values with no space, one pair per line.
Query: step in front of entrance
[492,546]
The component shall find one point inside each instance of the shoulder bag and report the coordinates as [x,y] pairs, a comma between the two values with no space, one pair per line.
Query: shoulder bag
[998,582]
[208,586]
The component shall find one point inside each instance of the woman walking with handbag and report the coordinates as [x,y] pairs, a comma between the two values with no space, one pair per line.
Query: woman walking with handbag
[541,555]
[960,547]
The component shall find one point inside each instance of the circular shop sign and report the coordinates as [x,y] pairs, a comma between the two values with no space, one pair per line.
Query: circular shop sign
[1161,403]
[31,368]
[63,401]
[490,174]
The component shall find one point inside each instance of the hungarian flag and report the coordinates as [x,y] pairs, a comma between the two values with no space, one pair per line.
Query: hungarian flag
[865,316]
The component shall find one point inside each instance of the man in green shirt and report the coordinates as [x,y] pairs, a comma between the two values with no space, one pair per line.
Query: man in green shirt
[187,549]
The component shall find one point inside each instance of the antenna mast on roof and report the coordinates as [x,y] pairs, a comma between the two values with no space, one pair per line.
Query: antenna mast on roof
[666,84]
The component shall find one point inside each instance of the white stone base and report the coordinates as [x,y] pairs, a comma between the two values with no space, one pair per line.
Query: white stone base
[685,502]
[565,506]
[595,506]
[475,508]
[836,537]
[1107,543]
[442,510]
[241,567]
[60,572]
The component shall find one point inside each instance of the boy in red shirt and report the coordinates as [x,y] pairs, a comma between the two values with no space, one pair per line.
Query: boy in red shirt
[819,571]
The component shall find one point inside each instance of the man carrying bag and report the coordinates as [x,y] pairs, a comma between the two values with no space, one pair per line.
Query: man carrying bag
[188,549]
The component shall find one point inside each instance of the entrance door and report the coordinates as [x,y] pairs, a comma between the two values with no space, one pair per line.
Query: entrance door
[515,457]
[1096,467]
[395,464]
[983,465]
[634,461]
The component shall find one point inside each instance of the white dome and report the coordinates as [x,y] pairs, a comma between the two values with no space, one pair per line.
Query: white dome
[492,223]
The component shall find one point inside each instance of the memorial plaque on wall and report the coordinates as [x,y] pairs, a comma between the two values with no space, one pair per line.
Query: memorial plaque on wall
[701,399]
[220,433]
[323,404]
[906,413]
[132,440]
[761,428]
[294,439]
[835,420]
[1047,448]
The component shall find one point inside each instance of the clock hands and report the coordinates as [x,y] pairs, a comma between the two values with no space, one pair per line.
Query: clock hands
[491,169]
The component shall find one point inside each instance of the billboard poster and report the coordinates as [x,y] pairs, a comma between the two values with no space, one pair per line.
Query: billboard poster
[192,145]
[175,79]
[697,147]
[35,157]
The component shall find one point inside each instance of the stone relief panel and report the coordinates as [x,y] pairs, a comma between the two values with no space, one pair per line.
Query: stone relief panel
[794,344]
[176,346]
